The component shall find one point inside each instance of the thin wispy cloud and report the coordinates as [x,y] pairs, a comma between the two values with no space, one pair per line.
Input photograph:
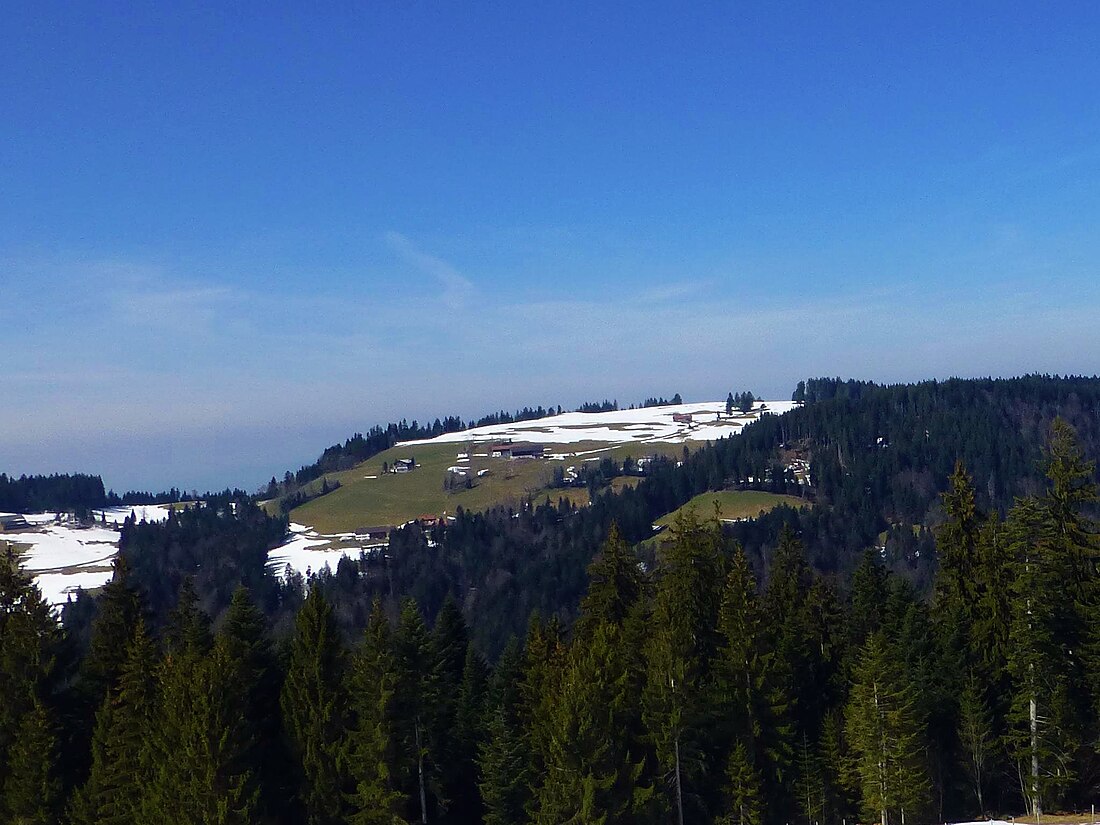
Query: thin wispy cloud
[456,287]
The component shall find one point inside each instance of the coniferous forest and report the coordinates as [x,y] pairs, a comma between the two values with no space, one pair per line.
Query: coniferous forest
[922,645]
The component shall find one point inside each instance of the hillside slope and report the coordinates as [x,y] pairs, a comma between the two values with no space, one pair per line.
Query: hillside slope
[456,470]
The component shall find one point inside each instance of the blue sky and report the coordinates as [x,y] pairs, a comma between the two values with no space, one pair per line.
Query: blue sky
[230,237]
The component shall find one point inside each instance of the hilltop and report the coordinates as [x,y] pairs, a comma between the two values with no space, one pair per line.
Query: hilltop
[463,470]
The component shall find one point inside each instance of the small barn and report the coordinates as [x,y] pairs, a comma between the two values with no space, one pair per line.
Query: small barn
[381,533]
[528,450]
[13,523]
[501,449]
[682,418]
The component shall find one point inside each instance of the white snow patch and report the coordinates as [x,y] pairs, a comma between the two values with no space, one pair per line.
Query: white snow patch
[57,587]
[299,551]
[142,512]
[649,424]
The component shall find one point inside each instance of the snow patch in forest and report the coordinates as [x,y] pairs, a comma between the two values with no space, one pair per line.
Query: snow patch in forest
[306,550]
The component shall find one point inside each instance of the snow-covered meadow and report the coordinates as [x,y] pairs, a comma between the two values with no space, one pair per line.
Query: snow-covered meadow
[64,557]
[648,424]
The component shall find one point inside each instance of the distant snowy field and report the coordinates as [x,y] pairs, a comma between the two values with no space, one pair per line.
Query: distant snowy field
[649,424]
[64,558]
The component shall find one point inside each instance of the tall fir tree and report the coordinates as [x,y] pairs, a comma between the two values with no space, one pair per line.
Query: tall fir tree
[32,788]
[118,609]
[957,548]
[371,750]
[504,757]
[886,735]
[748,695]
[448,649]
[976,739]
[254,691]
[1043,736]
[615,584]
[30,640]
[742,790]
[198,745]
[543,665]
[188,626]
[114,792]
[417,695]
[590,776]
[678,657]
[468,733]
[314,710]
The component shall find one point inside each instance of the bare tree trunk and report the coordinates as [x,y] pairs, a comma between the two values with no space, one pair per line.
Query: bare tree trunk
[420,775]
[679,790]
[1036,804]
[883,785]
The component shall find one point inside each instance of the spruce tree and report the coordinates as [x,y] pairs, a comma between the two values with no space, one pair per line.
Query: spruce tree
[886,735]
[615,584]
[868,597]
[796,606]
[469,732]
[1042,737]
[371,749]
[748,693]
[314,710]
[32,789]
[976,739]
[678,657]
[448,649]
[504,756]
[198,745]
[417,697]
[254,692]
[1070,501]
[120,773]
[957,548]
[188,626]
[29,644]
[993,618]
[118,609]
[590,775]
[543,660]
[742,790]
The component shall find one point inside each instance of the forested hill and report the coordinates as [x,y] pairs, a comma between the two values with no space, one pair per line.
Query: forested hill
[879,455]
[880,458]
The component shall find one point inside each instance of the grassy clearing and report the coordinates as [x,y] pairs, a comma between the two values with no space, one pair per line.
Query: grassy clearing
[734,504]
[391,499]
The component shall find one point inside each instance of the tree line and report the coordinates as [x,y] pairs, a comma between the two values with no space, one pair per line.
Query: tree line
[56,492]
